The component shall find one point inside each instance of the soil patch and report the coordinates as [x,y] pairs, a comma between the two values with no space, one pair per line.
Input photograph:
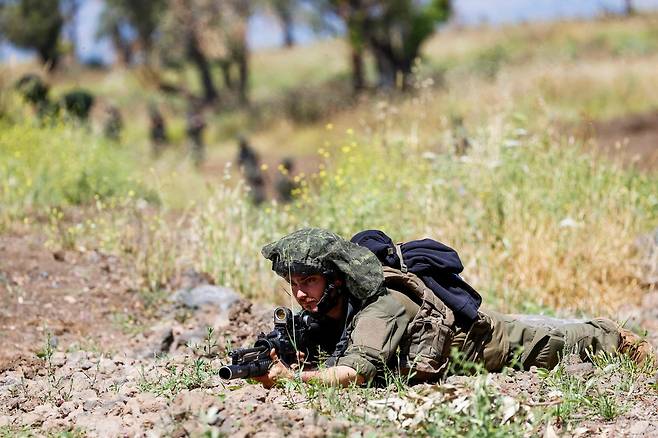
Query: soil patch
[74,296]
[631,139]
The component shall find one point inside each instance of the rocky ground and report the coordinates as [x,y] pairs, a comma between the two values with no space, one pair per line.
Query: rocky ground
[84,353]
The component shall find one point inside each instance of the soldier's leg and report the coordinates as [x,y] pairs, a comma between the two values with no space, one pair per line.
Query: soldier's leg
[543,346]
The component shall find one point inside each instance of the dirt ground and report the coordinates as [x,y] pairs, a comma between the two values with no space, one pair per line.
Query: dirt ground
[632,139]
[74,296]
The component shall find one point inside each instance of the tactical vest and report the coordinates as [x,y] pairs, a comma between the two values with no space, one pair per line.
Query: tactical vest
[425,348]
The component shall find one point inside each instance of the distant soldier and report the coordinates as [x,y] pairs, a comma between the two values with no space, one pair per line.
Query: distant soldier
[158,132]
[285,184]
[113,123]
[35,92]
[78,103]
[249,163]
[196,124]
[460,140]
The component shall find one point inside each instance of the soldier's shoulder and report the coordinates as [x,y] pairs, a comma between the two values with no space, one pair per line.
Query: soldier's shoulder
[385,306]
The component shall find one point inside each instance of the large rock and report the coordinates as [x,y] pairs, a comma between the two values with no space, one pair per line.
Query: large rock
[222,297]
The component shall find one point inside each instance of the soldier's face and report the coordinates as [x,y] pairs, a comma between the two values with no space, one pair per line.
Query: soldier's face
[308,290]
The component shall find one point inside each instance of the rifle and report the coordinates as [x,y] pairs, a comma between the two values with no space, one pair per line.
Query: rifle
[292,333]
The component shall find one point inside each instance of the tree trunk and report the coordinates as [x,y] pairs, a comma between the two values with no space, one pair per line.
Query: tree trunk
[386,69]
[199,60]
[288,36]
[243,68]
[49,57]
[629,8]
[358,79]
[393,68]
[225,67]
[123,48]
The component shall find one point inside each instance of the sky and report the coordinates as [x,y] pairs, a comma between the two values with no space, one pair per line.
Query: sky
[265,32]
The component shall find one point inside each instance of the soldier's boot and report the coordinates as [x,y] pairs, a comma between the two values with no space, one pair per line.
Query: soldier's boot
[638,349]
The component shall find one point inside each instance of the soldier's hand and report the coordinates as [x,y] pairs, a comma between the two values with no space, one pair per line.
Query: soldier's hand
[278,371]
[301,359]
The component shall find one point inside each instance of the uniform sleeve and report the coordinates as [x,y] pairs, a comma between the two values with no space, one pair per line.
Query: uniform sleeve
[375,337]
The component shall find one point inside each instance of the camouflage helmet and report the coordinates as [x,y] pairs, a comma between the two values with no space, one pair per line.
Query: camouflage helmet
[316,251]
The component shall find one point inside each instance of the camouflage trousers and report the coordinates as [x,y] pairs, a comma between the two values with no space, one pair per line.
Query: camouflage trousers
[498,340]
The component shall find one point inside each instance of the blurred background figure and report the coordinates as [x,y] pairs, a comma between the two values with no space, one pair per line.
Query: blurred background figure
[285,183]
[113,123]
[158,131]
[460,141]
[249,163]
[196,124]
[35,91]
[78,104]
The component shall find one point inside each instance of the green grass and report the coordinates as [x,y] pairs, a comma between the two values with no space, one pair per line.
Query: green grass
[168,381]
[606,392]
[51,164]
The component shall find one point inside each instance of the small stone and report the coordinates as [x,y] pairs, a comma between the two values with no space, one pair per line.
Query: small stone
[579,369]
[639,427]
[54,424]
[60,255]
[5,420]
[66,408]
[150,402]
[103,426]
[86,364]
[107,366]
[80,382]
[45,411]
[28,405]
[30,419]
[87,394]
[90,403]
[58,359]
[12,403]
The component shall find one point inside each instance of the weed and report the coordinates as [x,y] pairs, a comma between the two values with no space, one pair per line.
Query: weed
[59,387]
[606,406]
[606,393]
[173,378]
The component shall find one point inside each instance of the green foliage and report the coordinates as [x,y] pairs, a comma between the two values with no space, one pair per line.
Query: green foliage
[607,391]
[33,24]
[143,16]
[58,165]
[392,30]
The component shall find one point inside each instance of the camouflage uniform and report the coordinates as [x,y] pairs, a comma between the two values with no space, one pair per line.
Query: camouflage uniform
[402,324]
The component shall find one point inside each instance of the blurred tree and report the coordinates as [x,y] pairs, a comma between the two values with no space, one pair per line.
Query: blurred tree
[392,30]
[33,24]
[207,32]
[142,16]
[110,25]
[629,7]
[284,10]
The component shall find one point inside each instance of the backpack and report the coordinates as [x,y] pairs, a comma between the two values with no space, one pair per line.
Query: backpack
[435,264]
[425,349]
